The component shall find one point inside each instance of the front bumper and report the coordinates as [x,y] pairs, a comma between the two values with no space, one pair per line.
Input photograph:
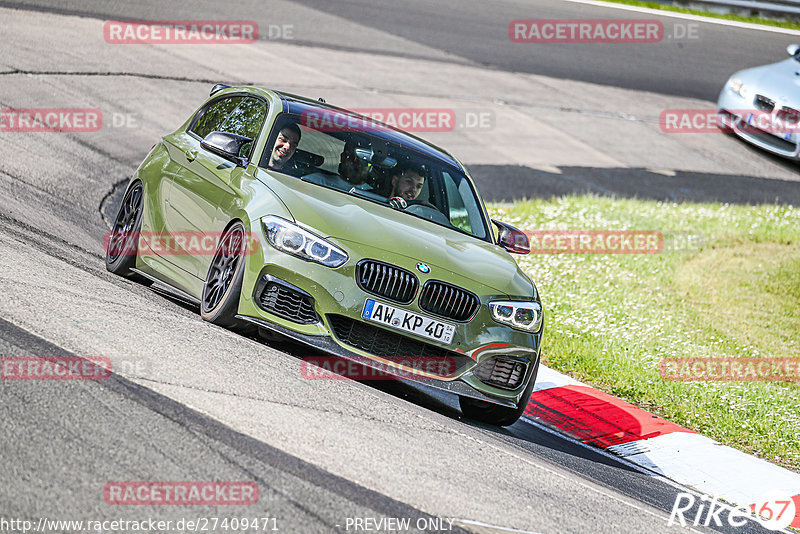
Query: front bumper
[336,296]
[737,110]
[464,386]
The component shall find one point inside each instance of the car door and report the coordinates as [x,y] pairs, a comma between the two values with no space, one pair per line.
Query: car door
[206,183]
[183,148]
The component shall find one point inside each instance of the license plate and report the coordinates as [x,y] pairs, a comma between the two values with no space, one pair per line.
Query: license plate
[408,321]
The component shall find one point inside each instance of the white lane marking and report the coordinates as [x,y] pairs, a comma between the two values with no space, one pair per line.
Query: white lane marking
[630,464]
[549,378]
[686,16]
[707,469]
[700,462]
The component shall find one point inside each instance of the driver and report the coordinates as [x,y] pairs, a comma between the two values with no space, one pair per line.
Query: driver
[408,184]
[285,146]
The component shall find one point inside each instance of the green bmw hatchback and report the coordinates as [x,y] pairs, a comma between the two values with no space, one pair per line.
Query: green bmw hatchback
[354,238]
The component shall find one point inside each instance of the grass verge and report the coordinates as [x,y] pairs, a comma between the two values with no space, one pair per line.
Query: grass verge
[611,318]
[788,24]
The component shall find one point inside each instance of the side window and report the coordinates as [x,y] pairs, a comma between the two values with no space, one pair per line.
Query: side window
[329,147]
[316,150]
[212,117]
[247,119]
[458,212]
[465,213]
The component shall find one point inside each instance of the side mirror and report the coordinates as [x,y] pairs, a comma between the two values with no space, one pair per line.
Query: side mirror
[227,145]
[513,240]
[792,49]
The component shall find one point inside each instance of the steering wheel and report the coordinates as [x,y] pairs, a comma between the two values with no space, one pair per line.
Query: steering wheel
[427,211]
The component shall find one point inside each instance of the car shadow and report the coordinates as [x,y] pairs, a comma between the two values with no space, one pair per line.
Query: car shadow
[528,429]
[384,382]
[553,451]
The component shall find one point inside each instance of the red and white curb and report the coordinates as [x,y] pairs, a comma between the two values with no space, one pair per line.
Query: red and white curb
[679,454]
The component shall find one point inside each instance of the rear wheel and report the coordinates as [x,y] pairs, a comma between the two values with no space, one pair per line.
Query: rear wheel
[220,300]
[122,242]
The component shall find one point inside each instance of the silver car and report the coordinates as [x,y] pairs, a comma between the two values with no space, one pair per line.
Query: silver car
[761,105]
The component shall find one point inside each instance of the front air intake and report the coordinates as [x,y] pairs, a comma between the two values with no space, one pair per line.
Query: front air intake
[284,301]
[501,372]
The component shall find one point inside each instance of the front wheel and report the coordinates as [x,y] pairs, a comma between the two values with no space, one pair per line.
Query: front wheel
[220,300]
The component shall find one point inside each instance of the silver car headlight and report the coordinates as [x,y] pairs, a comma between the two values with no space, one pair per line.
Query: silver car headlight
[737,86]
[291,239]
[526,316]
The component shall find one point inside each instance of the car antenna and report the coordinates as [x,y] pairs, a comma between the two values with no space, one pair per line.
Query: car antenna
[217,88]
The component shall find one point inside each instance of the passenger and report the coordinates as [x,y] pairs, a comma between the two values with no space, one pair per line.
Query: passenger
[353,169]
[285,146]
[408,184]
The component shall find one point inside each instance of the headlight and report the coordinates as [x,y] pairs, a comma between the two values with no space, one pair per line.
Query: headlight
[525,316]
[292,239]
[738,87]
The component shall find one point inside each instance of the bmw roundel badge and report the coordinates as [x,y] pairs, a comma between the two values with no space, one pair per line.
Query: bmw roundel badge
[423,268]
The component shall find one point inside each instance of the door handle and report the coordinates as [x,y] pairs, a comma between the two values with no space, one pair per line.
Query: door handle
[191,155]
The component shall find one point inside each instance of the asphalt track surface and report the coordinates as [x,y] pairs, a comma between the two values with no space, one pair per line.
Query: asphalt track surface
[477,32]
[195,402]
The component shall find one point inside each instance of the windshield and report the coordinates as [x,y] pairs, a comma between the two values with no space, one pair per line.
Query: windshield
[339,155]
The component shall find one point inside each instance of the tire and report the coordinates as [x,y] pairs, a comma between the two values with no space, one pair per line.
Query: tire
[493,414]
[220,299]
[122,243]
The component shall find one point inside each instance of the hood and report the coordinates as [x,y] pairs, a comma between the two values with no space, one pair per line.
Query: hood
[351,220]
[778,81]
